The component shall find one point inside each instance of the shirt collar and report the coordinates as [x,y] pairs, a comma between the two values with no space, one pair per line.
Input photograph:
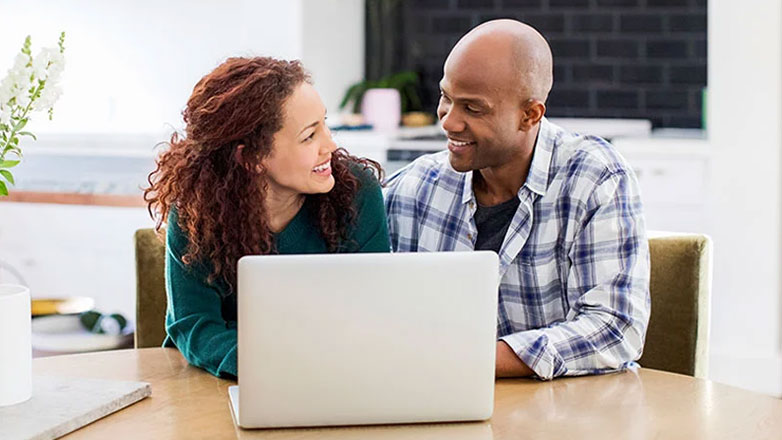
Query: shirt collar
[467,194]
[538,176]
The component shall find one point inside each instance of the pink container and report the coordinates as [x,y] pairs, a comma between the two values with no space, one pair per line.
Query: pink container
[382,108]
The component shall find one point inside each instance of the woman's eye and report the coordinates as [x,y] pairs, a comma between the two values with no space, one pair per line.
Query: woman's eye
[472,109]
[310,137]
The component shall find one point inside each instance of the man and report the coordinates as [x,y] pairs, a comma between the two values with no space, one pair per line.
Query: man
[561,210]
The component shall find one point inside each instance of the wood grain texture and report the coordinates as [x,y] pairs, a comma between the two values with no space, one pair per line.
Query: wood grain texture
[188,403]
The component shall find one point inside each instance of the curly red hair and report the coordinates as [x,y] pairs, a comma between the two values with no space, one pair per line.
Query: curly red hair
[218,200]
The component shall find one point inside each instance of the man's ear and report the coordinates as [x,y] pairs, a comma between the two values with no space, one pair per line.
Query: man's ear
[532,112]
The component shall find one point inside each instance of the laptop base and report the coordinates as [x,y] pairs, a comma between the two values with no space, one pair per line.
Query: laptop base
[233,396]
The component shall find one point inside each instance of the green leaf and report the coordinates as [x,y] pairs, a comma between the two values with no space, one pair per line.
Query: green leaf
[7,153]
[8,176]
[27,133]
[20,125]
[3,189]
[349,95]
[26,46]
[9,163]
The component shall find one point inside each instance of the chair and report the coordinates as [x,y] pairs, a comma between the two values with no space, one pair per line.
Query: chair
[676,340]
[678,334]
[150,289]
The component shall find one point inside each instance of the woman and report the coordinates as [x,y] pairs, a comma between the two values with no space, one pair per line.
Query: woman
[257,172]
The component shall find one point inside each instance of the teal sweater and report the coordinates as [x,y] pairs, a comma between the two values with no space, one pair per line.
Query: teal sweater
[201,317]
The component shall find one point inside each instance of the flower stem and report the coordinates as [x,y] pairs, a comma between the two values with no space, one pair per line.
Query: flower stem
[21,117]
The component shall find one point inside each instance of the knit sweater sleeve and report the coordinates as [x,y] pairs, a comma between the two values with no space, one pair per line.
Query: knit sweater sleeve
[194,319]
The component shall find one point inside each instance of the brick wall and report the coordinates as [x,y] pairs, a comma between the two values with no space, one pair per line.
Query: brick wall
[612,58]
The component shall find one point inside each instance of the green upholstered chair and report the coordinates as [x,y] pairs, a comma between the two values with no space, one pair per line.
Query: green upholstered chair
[676,340]
[150,289]
[678,335]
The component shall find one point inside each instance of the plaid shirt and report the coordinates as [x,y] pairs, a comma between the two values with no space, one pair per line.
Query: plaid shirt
[574,265]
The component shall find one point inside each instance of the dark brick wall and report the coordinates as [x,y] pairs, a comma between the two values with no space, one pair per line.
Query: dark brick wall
[612,58]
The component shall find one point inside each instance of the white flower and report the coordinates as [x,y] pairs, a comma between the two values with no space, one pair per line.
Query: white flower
[22,97]
[40,63]
[56,68]
[30,85]
[48,63]
[17,82]
[20,62]
[5,115]
[5,91]
[49,95]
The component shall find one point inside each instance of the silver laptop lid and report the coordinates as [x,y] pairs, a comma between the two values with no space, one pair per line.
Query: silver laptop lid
[366,338]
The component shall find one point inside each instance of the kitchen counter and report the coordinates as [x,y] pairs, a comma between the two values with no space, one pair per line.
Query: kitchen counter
[70,198]
[112,169]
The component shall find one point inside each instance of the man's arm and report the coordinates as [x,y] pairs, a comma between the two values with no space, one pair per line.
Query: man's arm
[609,275]
[508,364]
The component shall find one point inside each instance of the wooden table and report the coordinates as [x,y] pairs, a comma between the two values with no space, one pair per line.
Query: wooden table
[188,403]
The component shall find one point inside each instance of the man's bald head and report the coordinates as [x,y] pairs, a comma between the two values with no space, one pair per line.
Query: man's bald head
[518,57]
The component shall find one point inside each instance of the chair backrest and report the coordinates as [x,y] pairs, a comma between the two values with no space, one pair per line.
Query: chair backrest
[678,335]
[676,340]
[150,289]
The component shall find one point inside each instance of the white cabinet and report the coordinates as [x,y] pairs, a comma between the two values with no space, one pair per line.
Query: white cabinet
[674,177]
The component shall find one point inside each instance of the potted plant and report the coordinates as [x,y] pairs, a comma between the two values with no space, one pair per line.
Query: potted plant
[31,85]
[382,102]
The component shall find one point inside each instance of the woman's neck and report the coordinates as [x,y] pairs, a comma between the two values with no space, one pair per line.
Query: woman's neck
[281,208]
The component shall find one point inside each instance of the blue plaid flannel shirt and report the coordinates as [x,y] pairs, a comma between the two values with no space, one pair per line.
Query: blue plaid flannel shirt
[574,265]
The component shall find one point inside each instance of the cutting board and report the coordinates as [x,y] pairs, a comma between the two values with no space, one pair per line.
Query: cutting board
[60,405]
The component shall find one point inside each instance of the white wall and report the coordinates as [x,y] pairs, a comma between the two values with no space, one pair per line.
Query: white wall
[333,46]
[68,250]
[744,117]
[130,67]
[132,64]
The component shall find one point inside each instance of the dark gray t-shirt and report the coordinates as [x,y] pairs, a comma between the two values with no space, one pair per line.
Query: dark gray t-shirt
[492,223]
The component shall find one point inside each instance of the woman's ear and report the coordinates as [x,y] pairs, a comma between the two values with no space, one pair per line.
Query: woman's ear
[247,165]
[238,157]
[260,168]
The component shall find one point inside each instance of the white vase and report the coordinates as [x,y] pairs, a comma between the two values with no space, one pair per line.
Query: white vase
[16,364]
[382,108]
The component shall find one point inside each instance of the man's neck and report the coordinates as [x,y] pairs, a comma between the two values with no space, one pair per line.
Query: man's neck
[494,185]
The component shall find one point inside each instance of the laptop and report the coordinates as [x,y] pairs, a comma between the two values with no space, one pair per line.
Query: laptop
[356,339]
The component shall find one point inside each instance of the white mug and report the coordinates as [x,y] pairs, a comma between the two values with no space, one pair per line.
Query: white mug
[16,358]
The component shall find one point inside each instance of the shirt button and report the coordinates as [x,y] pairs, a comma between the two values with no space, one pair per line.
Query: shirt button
[472,205]
[469,237]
